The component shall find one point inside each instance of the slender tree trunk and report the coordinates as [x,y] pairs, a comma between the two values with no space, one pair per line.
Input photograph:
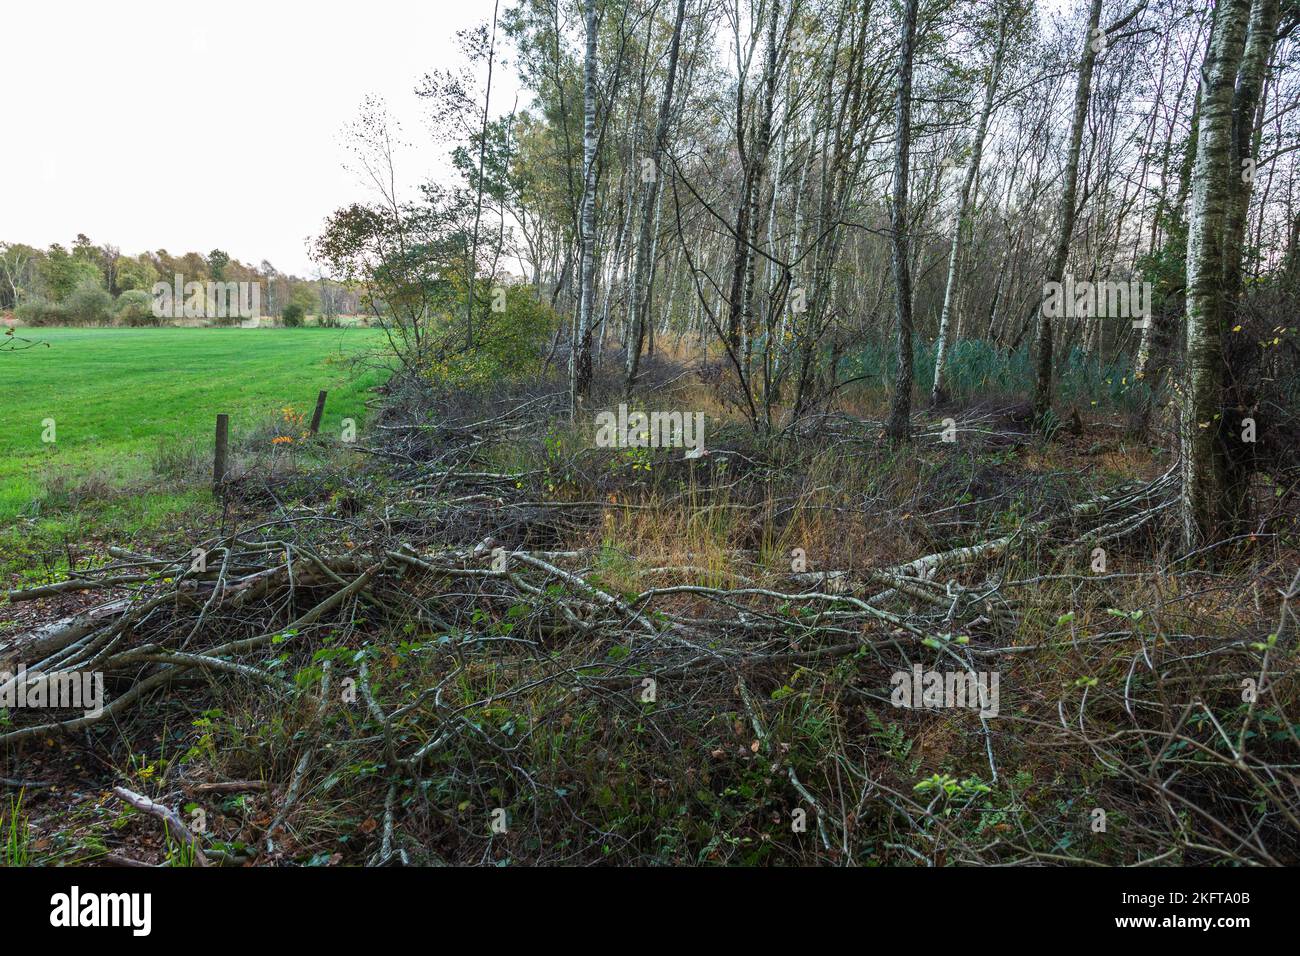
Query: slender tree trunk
[899,425]
[1261,35]
[580,356]
[472,266]
[938,392]
[1247,105]
[642,268]
[1158,333]
[1093,43]
[1206,510]
[753,159]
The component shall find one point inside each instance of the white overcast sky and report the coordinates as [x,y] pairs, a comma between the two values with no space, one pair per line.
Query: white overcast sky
[183,125]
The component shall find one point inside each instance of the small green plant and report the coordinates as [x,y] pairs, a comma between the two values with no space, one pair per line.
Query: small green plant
[1265,645]
[17,839]
[180,854]
[951,788]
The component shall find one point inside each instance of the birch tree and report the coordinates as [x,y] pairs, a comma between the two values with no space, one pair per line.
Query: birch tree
[1094,41]
[960,237]
[1205,507]
[580,352]
[1213,486]
[899,424]
[643,260]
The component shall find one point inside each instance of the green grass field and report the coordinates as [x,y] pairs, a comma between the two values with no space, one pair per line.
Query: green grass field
[118,395]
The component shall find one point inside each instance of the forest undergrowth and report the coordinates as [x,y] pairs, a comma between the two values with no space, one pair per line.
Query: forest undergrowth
[476,638]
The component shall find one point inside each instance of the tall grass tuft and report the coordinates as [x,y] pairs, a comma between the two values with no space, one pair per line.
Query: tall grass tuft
[17,839]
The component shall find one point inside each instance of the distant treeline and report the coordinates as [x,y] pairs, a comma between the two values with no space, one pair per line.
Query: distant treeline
[91,284]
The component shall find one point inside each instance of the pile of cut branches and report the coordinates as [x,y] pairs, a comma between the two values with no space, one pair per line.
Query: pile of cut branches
[548,627]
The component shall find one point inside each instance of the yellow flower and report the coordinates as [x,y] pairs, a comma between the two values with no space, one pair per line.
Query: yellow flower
[1237,328]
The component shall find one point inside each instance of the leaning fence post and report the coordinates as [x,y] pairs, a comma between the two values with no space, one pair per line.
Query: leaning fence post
[320,410]
[219,452]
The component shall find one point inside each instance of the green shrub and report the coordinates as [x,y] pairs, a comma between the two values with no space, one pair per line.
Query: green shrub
[293,315]
[41,312]
[89,304]
[509,344]
[135,308]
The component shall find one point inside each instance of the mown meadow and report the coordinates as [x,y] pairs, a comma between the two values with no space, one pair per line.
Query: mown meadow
[124,400]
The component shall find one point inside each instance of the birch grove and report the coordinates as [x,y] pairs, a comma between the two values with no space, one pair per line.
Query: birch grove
[758,432]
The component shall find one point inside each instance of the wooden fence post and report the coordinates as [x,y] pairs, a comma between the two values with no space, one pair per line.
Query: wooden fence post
[320,410]
[219,452]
